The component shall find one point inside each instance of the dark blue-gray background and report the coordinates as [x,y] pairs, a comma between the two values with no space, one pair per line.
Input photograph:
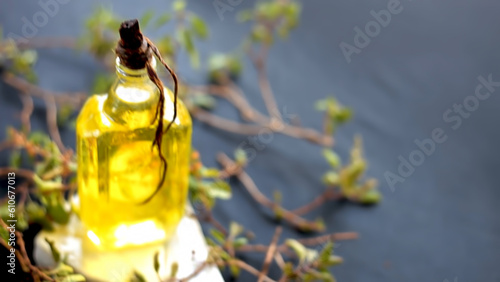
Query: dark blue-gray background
[443,222]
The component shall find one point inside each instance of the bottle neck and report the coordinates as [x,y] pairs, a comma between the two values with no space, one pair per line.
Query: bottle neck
[133,97]
[127,75]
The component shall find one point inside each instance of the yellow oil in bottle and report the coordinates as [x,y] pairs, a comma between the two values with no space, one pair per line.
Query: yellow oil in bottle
[119,169]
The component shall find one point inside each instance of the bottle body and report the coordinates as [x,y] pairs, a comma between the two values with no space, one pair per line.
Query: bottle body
[119,169]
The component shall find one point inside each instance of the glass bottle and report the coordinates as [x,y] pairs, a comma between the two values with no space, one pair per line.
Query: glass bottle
[119,170]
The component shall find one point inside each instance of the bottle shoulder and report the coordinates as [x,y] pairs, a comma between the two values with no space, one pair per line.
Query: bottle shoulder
[91,117]
[94,120]
[183,116]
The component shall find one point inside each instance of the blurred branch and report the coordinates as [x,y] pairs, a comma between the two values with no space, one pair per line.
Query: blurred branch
[249,184]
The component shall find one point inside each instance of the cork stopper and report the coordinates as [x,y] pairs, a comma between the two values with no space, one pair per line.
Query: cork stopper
[130,34]
[132,49]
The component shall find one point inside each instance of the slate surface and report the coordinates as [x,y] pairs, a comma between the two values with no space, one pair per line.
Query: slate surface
[441,223]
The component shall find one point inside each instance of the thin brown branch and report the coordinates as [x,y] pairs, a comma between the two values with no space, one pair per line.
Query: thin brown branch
[225,124]
[250,269]
[257,195]
[5,144]
[314,241]
[329,237]
[195,273]
[47,42]
[51,115]
[266,91]
[280,261]
[270,254]
[26,112]
[234,95]
[25,173]
[328,195]
[268,96]
[75,99]
[206,215]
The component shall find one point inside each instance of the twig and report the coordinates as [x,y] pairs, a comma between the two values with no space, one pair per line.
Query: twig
[225,124]
[250,269]
[26,112]
[329,237]
[195,273]
[257,195]
[5,144]
[327,195]
[280,261]
[270,254]
[75,99]
[206,215]
[318,240]
[52,122]
[47,42]
[233,94]
[26,173]
[259,62]
[268,96]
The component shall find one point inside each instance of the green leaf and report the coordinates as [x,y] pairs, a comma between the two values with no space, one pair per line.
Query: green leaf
[240,156]
[179,5]
[288,270]
[64,114]
[46,186]
[218,236]
[15,159]
[261,34]
[299,249]
[219,189]
[187,40]
[235,270]
[4,234]
[331,178]
[62,269]
[235,229]
[326,252]
[74,278]
[56,209]
[56,255]
[102,83]
[344,115]
[163,20]
[37,213]
[199,27]
[334,260]
[137,277]
[372,196]
[174,268]
[245,15]
[332,158]
[146,18]
[222,64]
[203,101]
[156,261]
[210,172]
[239,242]
[166,46]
